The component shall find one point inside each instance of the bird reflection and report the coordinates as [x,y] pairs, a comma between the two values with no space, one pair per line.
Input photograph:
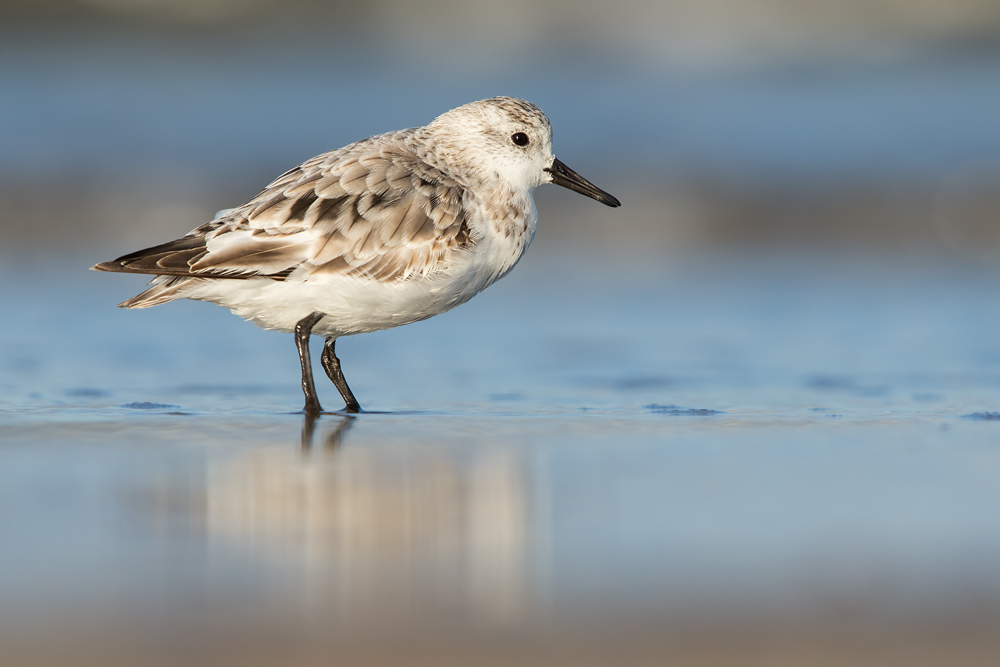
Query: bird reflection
[333,440]
[406,515]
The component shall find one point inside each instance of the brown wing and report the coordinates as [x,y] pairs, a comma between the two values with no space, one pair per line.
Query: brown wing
[371,209]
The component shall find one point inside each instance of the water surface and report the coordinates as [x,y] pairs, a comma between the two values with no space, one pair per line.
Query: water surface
[701,446]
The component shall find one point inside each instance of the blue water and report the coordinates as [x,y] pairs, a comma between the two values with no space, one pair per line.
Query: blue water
[713,438]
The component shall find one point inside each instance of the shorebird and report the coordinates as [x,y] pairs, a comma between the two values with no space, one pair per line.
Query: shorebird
[383,232]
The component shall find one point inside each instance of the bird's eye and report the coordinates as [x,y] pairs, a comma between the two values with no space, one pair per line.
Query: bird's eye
[519,139]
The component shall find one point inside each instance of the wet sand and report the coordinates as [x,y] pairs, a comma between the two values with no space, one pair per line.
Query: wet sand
[768,460]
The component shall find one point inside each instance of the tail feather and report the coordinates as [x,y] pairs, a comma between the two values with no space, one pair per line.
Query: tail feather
[162,290]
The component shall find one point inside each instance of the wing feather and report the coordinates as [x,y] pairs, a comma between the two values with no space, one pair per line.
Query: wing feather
[329,187]
[373,209]
[354,178]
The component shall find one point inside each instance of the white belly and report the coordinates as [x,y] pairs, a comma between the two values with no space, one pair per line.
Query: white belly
[353,304]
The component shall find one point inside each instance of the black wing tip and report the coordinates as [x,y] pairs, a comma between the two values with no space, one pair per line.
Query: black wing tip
[113,266]
[124,266]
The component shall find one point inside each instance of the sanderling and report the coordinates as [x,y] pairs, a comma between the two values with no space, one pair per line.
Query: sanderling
[384,232]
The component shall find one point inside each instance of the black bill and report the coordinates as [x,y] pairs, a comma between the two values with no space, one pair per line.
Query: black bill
[566,177]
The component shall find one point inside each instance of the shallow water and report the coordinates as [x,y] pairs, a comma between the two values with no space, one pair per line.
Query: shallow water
[706,443]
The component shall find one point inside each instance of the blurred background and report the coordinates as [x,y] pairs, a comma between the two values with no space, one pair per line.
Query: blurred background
[765,123]
[748,418]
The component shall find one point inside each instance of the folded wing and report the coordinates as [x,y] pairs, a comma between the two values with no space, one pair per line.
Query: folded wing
[376,210]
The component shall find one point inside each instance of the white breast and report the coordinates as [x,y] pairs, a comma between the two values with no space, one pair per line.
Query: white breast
[358,304]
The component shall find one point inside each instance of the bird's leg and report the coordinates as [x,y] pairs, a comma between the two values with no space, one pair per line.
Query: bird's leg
[331,364]
[302,332]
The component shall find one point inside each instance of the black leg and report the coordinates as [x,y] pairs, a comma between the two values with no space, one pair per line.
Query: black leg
[302,332]
[331,364]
